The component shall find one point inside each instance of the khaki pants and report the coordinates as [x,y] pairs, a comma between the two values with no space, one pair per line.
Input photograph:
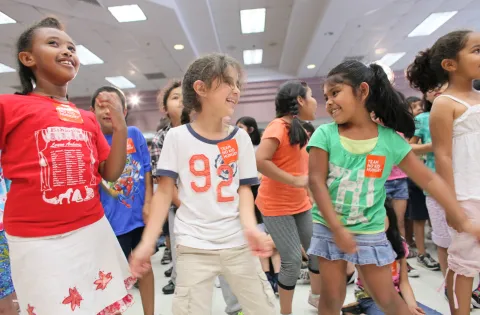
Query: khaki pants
[196,273]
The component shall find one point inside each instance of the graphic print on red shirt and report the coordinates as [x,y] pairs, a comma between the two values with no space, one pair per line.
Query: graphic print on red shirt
[52,160]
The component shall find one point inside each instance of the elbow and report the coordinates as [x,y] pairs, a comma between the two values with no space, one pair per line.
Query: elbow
[111,177]
[260,165]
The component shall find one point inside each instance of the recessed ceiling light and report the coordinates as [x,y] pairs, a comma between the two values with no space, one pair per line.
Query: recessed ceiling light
[253,21]
[312,66]
[432,23]
[5,68]
[178,47]
[5,19]
[87,57]
[253,57]
[121,82]
[380,51]
[134,100]
[127,13]
[390,59]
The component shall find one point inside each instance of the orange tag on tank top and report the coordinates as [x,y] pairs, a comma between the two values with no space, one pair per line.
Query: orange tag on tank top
[229,151]
[69,113]
[130,146]
[374,166]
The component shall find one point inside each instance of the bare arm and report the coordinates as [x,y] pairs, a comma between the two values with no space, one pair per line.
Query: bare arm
[405,288]
[159,210]
[436,187]
[318,171]
[148,187]
[246,208]
[112,168]
[441,129]
[264,155]
[175,200]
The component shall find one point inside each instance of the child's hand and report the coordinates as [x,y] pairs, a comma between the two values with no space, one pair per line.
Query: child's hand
[260,244]
[140,259]
[117,112]
[300,181]
[415,310]
[470,228]
[345,240]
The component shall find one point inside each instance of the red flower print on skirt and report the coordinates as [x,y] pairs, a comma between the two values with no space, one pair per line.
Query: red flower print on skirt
[118,307]
[73,299]
[103,280]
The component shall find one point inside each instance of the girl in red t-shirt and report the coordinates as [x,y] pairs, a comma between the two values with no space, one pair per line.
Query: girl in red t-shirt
[63,252]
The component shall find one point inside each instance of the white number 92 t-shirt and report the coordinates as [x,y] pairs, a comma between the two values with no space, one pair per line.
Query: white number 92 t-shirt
[209,173]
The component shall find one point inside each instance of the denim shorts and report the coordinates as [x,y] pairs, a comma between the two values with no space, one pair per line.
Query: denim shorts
[397,189]
[372,249]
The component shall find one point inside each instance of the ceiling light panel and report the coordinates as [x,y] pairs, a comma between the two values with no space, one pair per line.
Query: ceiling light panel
[5,19]
[5,68]
[127,13]
[390,59]
[87,57]
[433,22]
[121,82]
[253,57]
[253,21]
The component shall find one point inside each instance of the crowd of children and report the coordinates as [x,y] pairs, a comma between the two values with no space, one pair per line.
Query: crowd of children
[318,197]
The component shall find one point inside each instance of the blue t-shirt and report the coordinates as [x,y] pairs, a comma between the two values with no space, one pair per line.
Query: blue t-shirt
[123,200]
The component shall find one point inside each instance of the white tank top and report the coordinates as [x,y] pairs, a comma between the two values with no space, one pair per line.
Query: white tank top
[466,152]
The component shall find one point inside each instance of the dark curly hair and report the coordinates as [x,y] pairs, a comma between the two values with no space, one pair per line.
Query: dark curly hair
[208,69]
[426,72]
[24,43]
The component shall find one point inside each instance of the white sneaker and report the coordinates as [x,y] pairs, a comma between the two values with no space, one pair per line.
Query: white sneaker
[313,299]
[304,277]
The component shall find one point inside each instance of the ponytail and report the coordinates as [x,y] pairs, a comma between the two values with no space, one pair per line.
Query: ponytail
[388,105]
[383,100]
[286,104]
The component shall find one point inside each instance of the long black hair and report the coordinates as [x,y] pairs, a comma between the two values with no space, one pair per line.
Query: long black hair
[383,100]
[426,72]
[252,126]
[393,232]
[286,103]
[24,43]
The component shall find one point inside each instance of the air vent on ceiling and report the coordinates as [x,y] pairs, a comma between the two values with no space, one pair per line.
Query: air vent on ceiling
[155,76]
[357,58]
[97,3]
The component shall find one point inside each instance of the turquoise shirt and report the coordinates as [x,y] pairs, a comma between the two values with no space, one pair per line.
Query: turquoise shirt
[422,131]
[356,181]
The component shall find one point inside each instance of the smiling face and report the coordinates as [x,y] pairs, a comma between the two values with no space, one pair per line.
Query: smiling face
[341,102]
[222,97]
[52,56]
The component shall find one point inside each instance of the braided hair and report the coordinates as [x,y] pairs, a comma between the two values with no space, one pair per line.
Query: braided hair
[286,104]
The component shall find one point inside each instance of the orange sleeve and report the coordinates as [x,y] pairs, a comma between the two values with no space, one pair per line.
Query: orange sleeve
[276,130]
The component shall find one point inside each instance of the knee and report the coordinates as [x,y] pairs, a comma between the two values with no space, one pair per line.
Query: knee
[291,267]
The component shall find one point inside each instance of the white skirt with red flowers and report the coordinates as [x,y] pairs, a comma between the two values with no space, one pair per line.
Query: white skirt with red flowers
[83,272]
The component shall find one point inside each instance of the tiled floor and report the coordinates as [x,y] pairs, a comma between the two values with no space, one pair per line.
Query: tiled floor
[425,288]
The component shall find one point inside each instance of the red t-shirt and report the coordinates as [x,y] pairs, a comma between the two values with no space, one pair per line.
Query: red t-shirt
[51,153]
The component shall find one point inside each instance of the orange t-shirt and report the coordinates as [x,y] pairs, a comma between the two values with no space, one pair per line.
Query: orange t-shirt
[275,198]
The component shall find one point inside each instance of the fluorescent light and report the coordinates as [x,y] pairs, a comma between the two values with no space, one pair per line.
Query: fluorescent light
[5,68]
[178,47]
[312,66]
[253,57]
[253,21]
[120,82]
[127,13]
[380,51]
[390,59]
[87,57]
[134,100]
[432,23]
[5,19]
